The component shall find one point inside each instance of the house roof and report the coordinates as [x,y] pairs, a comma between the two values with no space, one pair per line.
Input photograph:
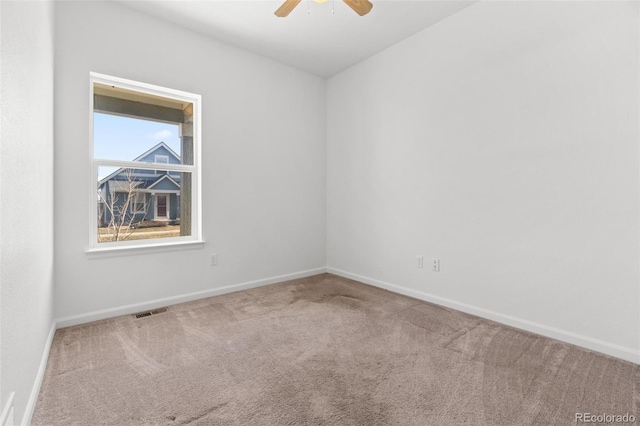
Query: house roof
[138,158]
[155,148]
[163,178]
[143,183]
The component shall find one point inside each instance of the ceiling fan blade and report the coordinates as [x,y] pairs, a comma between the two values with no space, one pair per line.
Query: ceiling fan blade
[361,7]
[286,8]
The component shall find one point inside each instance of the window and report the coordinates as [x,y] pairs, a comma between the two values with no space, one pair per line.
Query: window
[161,159]
[145,165]
[138,203]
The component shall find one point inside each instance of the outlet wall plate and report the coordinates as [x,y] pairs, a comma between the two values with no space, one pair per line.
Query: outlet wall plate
[435,265]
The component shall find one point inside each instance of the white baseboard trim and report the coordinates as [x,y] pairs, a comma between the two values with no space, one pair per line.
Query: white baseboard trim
[153,304]
[612,349]
[6,419]
[35,391]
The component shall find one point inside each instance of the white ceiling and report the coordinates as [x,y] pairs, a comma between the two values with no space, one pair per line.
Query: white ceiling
[319,42]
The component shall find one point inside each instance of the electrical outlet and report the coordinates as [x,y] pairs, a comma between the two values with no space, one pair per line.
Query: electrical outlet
[419,261]
[213,259]
[435,265]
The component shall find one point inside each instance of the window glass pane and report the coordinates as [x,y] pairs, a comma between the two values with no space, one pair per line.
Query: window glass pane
[136,204]
[133,139]
[132,125]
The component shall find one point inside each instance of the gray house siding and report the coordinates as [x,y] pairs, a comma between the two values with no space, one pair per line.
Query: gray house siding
[165,185]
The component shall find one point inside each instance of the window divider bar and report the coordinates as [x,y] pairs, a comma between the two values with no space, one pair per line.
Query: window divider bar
[145,165]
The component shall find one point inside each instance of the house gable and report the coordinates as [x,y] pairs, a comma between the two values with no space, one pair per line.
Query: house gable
[165,183]
[160,149]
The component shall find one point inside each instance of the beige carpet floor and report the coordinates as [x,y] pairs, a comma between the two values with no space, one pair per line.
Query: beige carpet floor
[322,351]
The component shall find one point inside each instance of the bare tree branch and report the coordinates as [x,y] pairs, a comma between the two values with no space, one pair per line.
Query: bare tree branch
[121,220]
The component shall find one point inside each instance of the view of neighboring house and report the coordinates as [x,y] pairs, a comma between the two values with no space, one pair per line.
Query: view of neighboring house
[151,194]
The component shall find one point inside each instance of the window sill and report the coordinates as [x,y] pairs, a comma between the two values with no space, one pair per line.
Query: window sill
[98,252]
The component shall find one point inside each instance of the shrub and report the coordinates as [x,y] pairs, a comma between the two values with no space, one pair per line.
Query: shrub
[149,224]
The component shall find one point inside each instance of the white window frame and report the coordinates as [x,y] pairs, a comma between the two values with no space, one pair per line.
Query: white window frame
[195,169]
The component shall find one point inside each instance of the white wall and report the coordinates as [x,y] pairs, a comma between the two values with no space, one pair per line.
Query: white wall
[263,162]
[26,202]
[504,141]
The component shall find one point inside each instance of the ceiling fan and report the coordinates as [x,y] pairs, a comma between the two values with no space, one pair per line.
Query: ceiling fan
[361,7]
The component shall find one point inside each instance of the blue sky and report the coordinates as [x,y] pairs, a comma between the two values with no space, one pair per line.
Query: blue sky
[123,138]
